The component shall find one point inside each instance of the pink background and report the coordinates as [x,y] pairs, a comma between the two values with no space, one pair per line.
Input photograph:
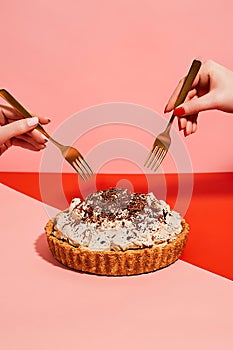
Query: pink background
[59,57]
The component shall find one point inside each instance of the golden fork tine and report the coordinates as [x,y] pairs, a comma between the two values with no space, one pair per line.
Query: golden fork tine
[77,169]
[74,158]
[82,167]
[154,154]
[85,166]
[158,160]
[150,157]
[157,156]
[72,155]
[163,140]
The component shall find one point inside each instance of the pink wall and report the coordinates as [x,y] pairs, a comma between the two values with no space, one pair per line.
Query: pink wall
[59,57]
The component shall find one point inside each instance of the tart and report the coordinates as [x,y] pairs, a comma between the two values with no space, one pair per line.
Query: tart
[116,233]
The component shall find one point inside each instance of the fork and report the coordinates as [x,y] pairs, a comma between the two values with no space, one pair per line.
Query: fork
[163,140]
[71,154]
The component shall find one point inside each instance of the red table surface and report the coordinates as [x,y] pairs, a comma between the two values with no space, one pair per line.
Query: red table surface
[209,213]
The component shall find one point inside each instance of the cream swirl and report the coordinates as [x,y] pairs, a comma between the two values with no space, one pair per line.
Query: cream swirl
[117,220]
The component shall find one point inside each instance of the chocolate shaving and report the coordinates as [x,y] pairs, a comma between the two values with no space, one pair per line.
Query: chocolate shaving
[112,204]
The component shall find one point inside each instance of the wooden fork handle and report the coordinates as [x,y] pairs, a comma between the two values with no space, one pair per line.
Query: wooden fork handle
[14,103]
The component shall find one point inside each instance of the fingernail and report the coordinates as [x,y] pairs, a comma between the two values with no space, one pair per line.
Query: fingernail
[45,138]
[32,121]
[178,112]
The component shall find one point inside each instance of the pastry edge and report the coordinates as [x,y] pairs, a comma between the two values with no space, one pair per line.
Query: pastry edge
[117,263]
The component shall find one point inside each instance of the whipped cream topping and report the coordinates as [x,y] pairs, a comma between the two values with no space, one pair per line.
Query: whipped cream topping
[117,220]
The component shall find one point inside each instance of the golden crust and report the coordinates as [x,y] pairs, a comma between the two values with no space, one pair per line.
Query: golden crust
[117,263]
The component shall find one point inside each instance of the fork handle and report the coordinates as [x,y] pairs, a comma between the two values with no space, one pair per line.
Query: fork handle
[187,84]
[14,103]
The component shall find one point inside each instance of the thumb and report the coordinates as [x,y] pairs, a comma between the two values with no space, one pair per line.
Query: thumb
[17,128]
[195,105]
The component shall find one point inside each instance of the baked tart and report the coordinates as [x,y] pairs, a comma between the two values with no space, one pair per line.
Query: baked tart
[116,233]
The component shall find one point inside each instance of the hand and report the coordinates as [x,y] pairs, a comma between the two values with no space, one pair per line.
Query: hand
[212,89]
[16,131]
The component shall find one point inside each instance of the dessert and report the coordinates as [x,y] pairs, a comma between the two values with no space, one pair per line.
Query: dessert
[114,232]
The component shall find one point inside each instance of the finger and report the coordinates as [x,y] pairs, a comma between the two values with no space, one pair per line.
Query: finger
[12,114]
[191,125]
[172,100]
[27,138]
[189,128]
[196,105]
[16,128]
[44,120]
[9,113]
[194,123]
[3,119]
[35,136]
[194,127]
[3,148]
[192,94]
[182,123]
[27,145]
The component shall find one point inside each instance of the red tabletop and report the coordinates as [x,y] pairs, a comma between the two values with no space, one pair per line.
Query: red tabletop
[208,213]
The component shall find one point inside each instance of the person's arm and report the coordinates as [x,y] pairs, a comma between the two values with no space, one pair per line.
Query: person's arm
[212,89]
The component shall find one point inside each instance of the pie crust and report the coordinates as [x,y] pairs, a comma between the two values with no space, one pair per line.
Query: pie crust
[117,263]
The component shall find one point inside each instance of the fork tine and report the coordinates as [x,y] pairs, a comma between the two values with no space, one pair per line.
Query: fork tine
[79,163]
[158,163]
[82,167]
[148,157]
[77,169]
[87,168]
[152,155]
[158,159]
[157,155]
[156,152]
